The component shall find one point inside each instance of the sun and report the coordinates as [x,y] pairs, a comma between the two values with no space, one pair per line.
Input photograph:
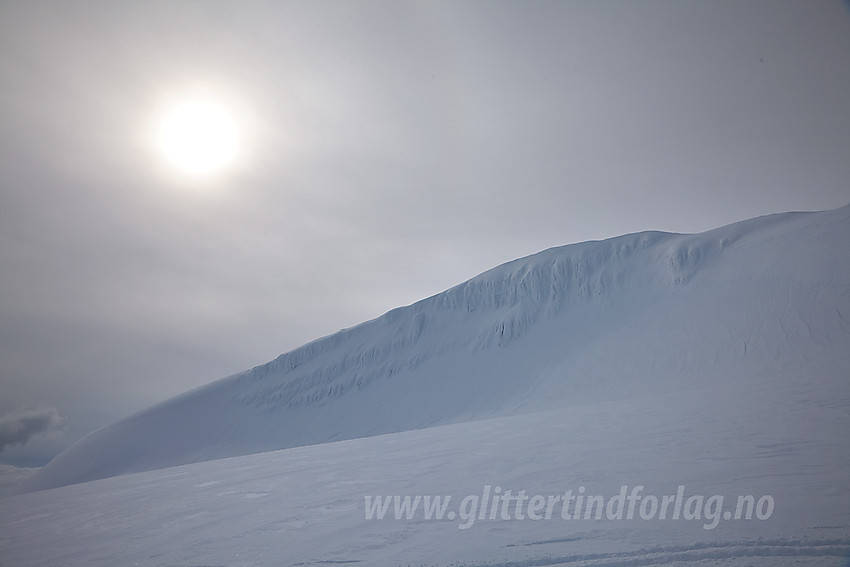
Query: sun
[199,137]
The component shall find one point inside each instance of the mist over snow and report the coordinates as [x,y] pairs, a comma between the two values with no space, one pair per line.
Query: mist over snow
[11,477]
[692,374]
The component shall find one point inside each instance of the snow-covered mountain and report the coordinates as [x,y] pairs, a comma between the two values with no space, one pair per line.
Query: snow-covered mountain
[712,366]
[633,317]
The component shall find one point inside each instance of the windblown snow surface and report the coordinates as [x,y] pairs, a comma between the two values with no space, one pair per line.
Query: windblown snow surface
[704,371]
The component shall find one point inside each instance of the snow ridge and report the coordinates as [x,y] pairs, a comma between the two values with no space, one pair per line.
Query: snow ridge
[508,300]
[514,297]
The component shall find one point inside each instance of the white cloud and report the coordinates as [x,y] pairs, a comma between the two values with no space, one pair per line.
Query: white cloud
[19,426]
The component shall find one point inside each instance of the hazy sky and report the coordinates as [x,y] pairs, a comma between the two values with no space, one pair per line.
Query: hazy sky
[388,150]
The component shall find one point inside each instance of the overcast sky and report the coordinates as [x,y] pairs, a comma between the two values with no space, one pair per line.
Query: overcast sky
[388,150]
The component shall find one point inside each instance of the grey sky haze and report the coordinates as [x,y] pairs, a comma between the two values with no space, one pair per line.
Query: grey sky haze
[390,150]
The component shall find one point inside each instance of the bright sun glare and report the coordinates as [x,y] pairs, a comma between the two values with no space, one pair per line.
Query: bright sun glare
[199,137]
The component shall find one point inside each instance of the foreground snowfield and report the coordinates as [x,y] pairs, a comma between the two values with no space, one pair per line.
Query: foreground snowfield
[785,438]
[718,363]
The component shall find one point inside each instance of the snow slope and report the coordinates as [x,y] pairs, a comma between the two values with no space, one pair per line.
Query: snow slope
[640,315]
[718,363]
